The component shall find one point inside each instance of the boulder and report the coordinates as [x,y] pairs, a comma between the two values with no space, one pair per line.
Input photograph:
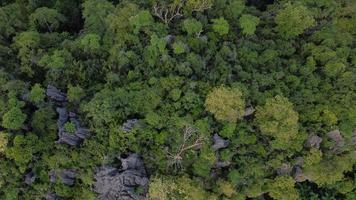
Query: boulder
[82,133]
[285,169]
[338,139]
[62,116]
[52,176]
[51,196]
[30,178]
[249,111]
[219,142]
[55,94]
[221,164]
[115,184]
[298,174]
[129,125]
[67,176]
[353,137]
[335,136]
[313,141]
[70,139]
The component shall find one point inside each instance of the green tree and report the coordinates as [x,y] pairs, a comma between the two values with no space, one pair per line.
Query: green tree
[192,26]
[293,20]
[227,104]
[142,19]
[75,93]
[37,94]
[13,119]
[46,19]
[95,13]
[220,26]
[90,43]
[3,142]
[23,149]
[282,188]
[248,24]
[278,119]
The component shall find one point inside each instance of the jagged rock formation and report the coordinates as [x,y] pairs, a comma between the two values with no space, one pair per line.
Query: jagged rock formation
[129,125]
[30,177]
[51,197]
[249,111]
[353,138]
[285,169]
[313,141]
[66,176]
[297,172]
[55,94]
[219,142]
[52,176]
[338,139]
[72,139]
[114,184]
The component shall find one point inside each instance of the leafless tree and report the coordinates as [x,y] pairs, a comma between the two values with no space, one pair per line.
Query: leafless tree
[191,140]
[167,12]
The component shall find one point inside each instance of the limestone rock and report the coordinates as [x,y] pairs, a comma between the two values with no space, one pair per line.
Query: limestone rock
[70,139]
[219,142]
[30,178]
[313,141]
[67,176]
[335,135]
[249,111]
[55,94]
[51,197]
[114,184]
[285,169]
[129,125]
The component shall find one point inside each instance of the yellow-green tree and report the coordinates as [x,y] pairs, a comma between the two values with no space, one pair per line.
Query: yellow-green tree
[278,120]
[227,104]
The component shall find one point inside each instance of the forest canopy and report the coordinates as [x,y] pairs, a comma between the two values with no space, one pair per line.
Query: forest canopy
[177,99]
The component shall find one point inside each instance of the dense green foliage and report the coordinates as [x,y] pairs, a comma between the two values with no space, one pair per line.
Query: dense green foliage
[187,69]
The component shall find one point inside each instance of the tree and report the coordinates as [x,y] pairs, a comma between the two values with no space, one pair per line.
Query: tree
[95,13]
[282,188]
[75,93]
[225,103]
[46,19]
[293,20]
[278,120]
[3,142]
[193,27]
[37,94]
[220,26]
[90,43]
[198,5]
[13,119]
[248,24]
[142,19]
[24,149]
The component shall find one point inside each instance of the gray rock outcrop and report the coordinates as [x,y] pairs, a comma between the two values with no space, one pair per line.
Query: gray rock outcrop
[313,141]
[30,178]
[114,184]
[336,136]
[51,197]
[67,176]
[219,142]
[55,94]
[249,111]
[72,139]
[130,124]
